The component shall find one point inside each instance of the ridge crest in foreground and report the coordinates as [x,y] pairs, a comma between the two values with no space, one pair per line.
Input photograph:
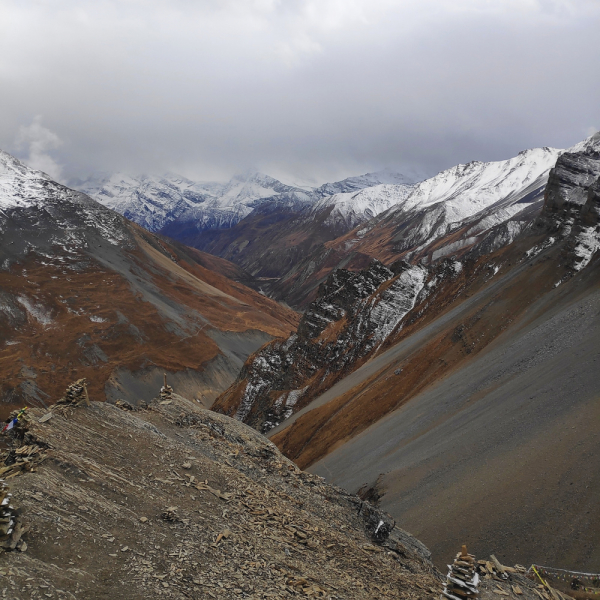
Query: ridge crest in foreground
[175,501]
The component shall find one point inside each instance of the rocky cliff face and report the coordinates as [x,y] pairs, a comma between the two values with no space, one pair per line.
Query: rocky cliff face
[570,210]
[354,315]
[568,184]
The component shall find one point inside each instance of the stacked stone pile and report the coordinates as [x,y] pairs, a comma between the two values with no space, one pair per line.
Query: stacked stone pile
[7,517]
[75,394]
[11,529]
[166,390]
[462,580]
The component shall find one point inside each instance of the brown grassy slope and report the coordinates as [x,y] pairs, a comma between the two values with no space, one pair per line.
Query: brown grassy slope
[131,328]
[316,432]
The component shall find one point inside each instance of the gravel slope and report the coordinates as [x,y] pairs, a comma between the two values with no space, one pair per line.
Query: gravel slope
[502,453]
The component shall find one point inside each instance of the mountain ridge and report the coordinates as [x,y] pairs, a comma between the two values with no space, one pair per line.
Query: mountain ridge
[505,327]
[86,292]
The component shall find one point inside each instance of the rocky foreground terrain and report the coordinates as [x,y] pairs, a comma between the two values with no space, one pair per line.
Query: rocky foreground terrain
[175,501]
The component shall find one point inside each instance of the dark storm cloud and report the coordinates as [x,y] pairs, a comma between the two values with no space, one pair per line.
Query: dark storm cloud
[299,88]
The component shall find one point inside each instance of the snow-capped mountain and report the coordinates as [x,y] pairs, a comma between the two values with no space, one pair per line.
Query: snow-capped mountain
[155,202]
[354,184]
[86,293]
[350,209]
[236,200]
[456,195]
[468,188]
[460,205]
[149,201]
[63,217]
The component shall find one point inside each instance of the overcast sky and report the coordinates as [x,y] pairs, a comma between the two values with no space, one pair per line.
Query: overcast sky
[306,89]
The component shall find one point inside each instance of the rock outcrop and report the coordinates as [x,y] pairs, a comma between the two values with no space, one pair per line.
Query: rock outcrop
[571,203]
[354,315]
[568,184]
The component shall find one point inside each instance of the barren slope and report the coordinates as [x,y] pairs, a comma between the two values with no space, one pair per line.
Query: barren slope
[492,402]
[177,502]
[502,450]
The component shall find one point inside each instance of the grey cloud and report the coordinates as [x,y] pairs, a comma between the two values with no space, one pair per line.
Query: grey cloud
[297,88]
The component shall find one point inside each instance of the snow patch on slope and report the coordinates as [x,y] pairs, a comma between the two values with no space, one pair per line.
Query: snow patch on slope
[393,304]
[587,244]
[354,208]
[20,186]
[37,311]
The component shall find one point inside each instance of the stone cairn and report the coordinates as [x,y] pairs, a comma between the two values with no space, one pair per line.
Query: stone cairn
[75,394]
[7,514]
[462,580]
[165,390]
[11,527]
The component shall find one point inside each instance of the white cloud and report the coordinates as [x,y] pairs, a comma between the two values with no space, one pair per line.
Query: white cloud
[307,87]
[39,141]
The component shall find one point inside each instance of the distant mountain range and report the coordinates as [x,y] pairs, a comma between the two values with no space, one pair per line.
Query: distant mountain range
[155,202]
[290,238]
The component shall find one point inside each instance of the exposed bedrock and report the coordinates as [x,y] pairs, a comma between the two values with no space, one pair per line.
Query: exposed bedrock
[354,315]
[568,184]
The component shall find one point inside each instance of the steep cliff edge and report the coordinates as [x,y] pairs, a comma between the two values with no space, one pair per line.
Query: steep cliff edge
[352,318]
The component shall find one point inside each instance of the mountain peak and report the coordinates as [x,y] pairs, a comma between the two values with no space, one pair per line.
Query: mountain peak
[19,184]
[591,143]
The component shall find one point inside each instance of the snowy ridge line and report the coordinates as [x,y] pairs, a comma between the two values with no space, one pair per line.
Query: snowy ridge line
[156,201]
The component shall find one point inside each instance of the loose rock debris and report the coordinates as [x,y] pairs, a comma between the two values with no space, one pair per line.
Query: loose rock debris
[177,502]
[114,514]
[497,581]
